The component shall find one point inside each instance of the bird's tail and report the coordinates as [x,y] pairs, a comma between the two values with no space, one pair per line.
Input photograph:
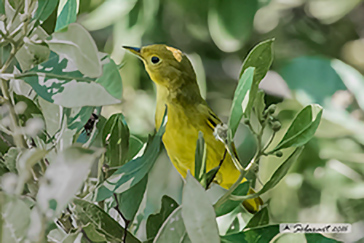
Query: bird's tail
[253,205]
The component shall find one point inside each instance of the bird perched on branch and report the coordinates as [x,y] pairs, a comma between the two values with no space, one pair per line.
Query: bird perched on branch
[188,113]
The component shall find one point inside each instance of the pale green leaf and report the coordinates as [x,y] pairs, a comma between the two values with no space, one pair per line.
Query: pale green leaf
[198,213]
[67,13]
[64,177]
[78,46]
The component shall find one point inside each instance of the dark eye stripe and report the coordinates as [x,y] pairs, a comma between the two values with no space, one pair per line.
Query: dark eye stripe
[155,59]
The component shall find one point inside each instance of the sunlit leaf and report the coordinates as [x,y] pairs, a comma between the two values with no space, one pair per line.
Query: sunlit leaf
[10,159]
[116,140]
[67,14]
[78,46]
[198,213]
[89,213]
[302,128]
[155,221]
[241,99]
[64,177]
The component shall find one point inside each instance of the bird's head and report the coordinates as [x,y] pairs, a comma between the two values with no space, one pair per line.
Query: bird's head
[166,66]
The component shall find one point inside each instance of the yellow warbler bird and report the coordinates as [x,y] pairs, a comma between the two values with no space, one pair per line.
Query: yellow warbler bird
[188,113]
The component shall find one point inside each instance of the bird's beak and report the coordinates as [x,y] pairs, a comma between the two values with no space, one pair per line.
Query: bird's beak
[134,50]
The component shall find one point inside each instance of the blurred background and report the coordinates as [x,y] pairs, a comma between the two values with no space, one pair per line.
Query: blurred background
[319,58]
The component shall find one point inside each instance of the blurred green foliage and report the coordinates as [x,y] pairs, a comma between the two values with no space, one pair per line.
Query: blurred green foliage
[318,58]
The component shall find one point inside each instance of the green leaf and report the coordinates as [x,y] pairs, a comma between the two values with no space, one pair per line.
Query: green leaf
[52,114]
[200,160]
[259,219]
[173,229]
[259,104]
[92,233]
[230,205]
[155,221]
[65,175]
[241,99]
[260,57]
[14,220]
[129,201]
[31,110]
[89,213]
[198,213]
[253,235]
[277,175]
[134,171]
[10,159]
[110,79]
[67,14]
[231,24]
[45,8]
[320,83]
[116,140]
[26,160]
[79,47]
[319,238]
[77,117]
[135,145]
[57,82]
[31,53]
[302,128]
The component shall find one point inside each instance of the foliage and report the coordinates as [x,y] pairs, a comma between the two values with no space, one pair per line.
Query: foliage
[70,172]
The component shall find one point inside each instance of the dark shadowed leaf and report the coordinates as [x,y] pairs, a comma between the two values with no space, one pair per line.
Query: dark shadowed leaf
[230,205]
[302,128]
[260,57]
[133,171]
[198,213]
[259,219]
[129,201]
[67,14]
[200,160]
[241,99]
[89,213]
[116,140]
[254,235]
[155,221]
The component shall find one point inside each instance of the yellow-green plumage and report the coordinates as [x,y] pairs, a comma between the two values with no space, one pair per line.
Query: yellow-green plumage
[188,113]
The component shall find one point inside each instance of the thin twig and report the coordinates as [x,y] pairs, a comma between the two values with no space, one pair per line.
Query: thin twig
[220,164]
[127,222]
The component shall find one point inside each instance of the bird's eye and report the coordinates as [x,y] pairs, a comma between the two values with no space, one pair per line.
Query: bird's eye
[155,60]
